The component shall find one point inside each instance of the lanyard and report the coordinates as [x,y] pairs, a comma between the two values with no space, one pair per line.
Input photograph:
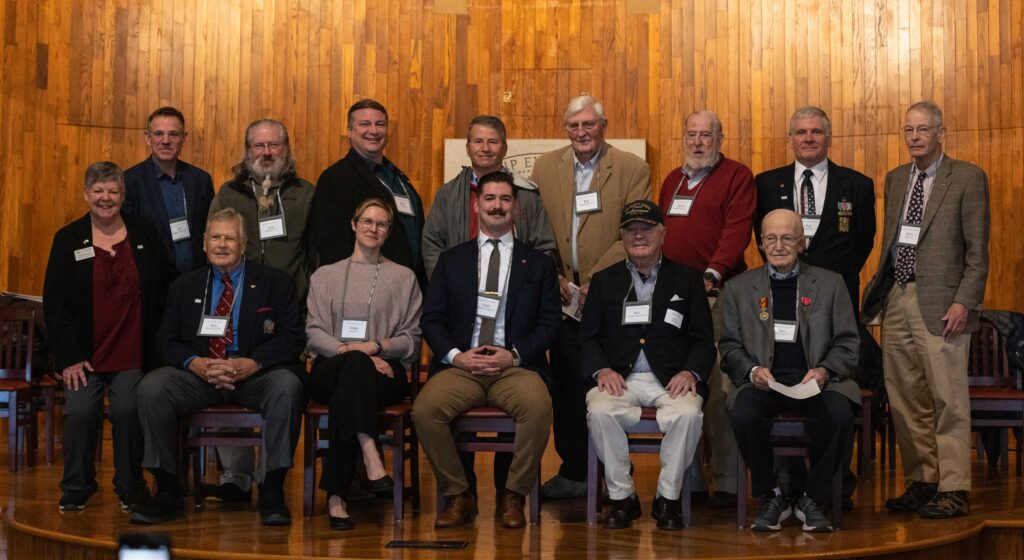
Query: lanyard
[796,300]
[234,294]
[373,288]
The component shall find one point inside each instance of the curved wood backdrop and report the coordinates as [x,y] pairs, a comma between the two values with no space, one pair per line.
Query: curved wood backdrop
[78,79]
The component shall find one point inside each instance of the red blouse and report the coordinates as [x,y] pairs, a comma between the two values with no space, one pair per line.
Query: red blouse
[116,310]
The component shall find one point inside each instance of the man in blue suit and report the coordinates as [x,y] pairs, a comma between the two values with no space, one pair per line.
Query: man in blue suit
[175,196]
[491,312]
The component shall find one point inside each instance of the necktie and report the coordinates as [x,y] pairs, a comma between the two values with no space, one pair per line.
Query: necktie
[491,287]
[472,215]
[808,194]
[906,256]
[218,346]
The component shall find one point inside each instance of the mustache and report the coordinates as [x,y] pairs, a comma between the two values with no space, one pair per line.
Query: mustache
[497,212]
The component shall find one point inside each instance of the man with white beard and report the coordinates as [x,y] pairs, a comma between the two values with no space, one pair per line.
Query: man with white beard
[275,202]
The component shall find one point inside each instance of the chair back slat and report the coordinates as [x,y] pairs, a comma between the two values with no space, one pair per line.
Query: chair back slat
[17,333]
[987,364]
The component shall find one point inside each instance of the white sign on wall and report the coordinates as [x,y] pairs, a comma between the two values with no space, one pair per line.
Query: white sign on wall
[523,152]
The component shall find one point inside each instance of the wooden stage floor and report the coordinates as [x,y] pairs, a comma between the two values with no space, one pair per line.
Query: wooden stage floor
[33,527]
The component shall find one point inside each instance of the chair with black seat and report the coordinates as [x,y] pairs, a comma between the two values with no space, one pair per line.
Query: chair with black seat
[996,390]
[17,329]
[217,426]
[396,433]
[472,431]
[644,437]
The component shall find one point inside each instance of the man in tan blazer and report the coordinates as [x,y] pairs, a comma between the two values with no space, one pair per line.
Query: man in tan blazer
[583,187]
[928,290]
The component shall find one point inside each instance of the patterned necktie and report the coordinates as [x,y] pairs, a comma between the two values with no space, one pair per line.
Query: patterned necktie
[491,287]
[906,255]
[218,346]
[808,194]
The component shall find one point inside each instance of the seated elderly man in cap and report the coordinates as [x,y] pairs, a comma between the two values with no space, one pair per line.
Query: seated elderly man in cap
[647,341]
[789,326]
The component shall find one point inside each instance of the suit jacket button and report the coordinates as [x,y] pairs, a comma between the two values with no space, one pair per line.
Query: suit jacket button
[643,341]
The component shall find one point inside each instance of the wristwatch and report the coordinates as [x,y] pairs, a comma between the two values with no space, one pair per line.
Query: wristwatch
[710,277]
[379,346]
[516,360]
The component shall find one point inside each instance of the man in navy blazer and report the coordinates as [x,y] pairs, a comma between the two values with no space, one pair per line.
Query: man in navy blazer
[647,340]
[491,312]
[231,333]
[175,196]
[843,214]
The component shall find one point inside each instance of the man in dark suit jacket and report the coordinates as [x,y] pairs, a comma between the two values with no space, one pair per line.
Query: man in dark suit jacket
[653,348]
[175,196]
[790,323]
[928,290]
[231,333]
[365,173]
[842,209]
[490,314]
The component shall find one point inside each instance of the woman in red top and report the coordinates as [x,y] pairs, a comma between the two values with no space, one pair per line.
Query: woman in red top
[102,299]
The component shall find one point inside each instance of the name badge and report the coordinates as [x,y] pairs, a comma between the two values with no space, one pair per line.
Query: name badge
[179,229]
[487,306]
[85,253]
[680,206]
[272,227]
[404,205]
[811,224]
[636,313]
[908,235]
[785,331]
[213,325]
[589,201]
[354,329]
[674,318]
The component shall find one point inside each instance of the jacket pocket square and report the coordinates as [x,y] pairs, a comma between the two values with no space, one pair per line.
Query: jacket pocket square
[676,298]
[262,309]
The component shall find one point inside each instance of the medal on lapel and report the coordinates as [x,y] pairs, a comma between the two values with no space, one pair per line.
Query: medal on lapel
[845,213]
[763,302]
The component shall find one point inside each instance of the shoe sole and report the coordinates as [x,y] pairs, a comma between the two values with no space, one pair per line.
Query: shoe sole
[927,515]
[811,528]
[772,528]
[71,509]
[147,520]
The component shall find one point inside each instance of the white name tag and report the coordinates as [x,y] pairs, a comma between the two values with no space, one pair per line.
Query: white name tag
[272,227]
[179,229]
[674,318]
[213,325]
[404,205]
[487,306]
[785,331]
[636,313]
[85,253]
[909,235]
[811,224]
[680,206]
[589,201]
[354,329]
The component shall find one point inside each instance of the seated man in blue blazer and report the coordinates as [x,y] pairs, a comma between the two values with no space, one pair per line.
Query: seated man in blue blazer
[790,323]
[647,340]
[231,333]
[491,311]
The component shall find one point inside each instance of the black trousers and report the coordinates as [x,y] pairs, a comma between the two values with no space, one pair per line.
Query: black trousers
[569,402]
[354,392]
[830,433]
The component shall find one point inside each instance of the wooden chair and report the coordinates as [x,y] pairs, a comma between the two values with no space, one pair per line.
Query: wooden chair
[996,390]
[467,429]
[647,427]
[17,331]
[396,433]
[236,426]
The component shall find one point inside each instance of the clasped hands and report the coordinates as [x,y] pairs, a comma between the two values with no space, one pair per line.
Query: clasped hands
[223,374]
[483,360]
[763,375]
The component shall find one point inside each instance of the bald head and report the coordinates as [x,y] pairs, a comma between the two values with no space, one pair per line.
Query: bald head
[782,238]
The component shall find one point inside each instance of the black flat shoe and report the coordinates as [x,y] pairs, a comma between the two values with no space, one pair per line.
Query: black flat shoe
[383,485]
[341,523]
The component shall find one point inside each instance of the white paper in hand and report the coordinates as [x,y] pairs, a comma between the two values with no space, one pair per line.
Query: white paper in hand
[799,391]
[573,309]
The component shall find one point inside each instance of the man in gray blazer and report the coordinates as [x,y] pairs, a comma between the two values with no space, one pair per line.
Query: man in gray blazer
[792,324]
[928,290]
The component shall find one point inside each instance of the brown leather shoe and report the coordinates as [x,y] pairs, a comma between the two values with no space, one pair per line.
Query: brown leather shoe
[511,510]
[458,510]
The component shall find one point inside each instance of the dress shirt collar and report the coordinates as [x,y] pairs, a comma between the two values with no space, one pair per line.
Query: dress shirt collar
[506,239]
[776,275]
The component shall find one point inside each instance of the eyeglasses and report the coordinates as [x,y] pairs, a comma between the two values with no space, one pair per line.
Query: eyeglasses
[787,240]
[925,131]
[272,146]
[586,126]
[369,223]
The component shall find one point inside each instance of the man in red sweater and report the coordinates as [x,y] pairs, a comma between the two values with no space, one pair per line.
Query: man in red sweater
[709,208]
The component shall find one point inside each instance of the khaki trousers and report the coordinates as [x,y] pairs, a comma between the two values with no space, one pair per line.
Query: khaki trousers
[926,380]
[718,435]
[519,392]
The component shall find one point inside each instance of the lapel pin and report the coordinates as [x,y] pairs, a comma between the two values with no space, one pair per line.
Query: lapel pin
[763,303]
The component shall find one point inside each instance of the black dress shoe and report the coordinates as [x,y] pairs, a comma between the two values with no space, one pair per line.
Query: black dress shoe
[341,523]
[382,487]
[273,511]
[667,513]
[918,494]
[164,507]
[622,513]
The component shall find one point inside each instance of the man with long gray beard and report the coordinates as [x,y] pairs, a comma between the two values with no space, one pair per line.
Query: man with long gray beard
[275,202]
